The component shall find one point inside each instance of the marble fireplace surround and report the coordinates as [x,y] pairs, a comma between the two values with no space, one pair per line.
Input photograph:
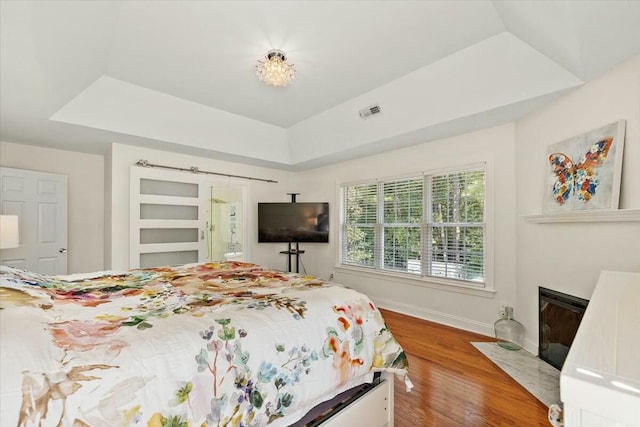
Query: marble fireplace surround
[537,376]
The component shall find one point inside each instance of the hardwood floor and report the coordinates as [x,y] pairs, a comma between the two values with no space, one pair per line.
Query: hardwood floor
[454,384]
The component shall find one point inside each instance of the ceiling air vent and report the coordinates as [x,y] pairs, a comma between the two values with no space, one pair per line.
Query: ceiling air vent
[370,111]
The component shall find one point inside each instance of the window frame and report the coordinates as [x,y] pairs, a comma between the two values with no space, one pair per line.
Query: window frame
[422,279]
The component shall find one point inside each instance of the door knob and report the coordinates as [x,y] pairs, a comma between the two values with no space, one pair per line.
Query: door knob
[62,250]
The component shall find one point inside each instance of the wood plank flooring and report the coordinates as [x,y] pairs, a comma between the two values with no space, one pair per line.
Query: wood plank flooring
[454,384]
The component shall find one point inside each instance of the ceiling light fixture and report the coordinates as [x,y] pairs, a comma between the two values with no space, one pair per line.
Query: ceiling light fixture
[274,69]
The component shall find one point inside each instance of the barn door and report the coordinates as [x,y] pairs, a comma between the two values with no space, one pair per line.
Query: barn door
[40,201]
[167,218]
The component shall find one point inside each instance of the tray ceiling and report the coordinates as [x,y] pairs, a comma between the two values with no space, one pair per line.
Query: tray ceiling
[181,76]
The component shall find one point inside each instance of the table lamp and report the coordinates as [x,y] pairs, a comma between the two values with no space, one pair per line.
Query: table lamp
[9,236]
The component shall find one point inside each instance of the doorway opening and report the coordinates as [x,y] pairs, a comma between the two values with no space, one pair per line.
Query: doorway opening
[225,224]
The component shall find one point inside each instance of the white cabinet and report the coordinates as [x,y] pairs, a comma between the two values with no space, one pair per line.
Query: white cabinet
[600,379]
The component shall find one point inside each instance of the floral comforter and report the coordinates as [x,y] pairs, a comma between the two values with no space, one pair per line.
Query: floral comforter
[217,344]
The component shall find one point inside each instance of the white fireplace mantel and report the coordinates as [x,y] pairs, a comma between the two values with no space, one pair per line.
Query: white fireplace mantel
[600,379]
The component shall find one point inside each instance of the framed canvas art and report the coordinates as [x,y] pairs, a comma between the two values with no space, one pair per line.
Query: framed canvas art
[585,171]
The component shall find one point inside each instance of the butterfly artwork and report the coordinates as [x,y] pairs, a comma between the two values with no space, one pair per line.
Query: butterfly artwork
[579,179]
[585,170]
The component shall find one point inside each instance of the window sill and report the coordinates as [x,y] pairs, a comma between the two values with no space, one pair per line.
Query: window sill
[617,215]
[433,283]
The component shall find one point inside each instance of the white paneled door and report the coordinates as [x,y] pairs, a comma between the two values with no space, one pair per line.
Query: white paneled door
[40,201]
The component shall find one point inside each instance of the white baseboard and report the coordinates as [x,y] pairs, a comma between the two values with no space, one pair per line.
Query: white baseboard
[531,347]
[437,317]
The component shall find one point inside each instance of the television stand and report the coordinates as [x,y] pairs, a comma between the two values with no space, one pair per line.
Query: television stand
[293,251]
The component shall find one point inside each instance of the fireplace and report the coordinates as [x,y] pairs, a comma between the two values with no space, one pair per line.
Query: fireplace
[559,317]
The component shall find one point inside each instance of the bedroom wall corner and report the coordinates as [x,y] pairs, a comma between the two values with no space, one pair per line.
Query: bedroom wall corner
[568,257]
[108,204]
[447,305]
[85,174]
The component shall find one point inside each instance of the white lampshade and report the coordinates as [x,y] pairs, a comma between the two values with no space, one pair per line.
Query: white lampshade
[9,236]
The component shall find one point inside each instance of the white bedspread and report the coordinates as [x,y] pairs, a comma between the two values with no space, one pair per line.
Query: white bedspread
[203,344]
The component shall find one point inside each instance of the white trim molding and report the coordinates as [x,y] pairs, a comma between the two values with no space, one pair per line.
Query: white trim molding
[436,316]
[618,215]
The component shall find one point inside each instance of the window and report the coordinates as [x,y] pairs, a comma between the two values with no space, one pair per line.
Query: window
[429,225]
[358,231]
[402,224]
[456,228]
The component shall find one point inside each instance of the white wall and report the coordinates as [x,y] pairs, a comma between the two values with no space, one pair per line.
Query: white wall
[440,303]
[122,157]
[569,257]
[85,174]
[107,208]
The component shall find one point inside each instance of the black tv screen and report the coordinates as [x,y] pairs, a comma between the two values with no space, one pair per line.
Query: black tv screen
[304,222]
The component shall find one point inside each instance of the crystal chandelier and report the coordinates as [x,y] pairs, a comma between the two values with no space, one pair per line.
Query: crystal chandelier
[274,69]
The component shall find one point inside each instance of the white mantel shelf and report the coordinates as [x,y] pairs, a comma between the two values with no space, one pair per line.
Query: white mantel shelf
[619,215]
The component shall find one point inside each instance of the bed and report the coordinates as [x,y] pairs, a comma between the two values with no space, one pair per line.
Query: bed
[217,344]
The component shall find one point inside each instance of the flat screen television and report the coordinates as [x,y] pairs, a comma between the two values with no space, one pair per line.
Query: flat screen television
[304,222]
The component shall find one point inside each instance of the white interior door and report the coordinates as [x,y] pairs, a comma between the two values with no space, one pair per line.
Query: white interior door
[40,201]
[167,218]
